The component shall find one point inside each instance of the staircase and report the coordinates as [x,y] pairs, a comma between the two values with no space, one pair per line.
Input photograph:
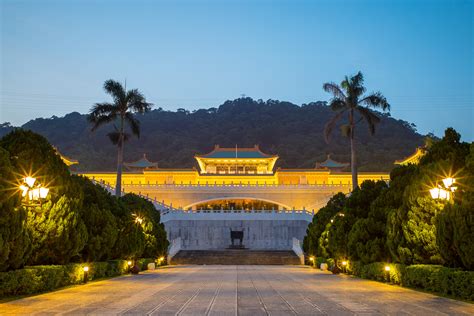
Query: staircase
[236,257]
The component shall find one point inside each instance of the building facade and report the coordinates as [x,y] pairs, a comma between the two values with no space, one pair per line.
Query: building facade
[237,178]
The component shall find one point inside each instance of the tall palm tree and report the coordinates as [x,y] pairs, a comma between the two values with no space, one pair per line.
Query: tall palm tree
[348,98]
[121,112]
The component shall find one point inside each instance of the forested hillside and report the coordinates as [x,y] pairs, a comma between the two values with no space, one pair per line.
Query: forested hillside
[293,132]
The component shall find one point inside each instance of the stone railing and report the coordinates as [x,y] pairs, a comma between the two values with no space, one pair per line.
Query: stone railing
[174,248]
[211,215]
[298,250]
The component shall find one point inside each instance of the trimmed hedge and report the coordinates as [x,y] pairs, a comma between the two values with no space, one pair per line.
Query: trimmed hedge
[433,278]
[37,279]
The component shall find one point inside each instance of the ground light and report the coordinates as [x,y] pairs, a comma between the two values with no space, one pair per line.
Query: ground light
[313,262]
[86,273]
[344,265]
[129,262]
[387,272]
[160,260]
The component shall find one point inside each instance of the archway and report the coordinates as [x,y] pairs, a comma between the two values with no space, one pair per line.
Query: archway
[246,203]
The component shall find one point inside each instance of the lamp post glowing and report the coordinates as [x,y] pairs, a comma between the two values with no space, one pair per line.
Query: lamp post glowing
[129,263]
[32,191]
[313,262]
[446,192]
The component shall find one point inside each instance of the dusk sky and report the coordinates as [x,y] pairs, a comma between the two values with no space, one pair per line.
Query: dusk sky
[55,55]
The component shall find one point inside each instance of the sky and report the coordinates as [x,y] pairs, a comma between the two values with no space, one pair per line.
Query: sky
[55,55]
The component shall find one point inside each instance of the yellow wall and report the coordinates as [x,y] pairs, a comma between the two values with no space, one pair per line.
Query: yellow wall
[280,177]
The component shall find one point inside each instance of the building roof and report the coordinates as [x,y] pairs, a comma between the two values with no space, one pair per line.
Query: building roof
[413,158]
[330,163]
[233,153]
[68,161]
[142,163]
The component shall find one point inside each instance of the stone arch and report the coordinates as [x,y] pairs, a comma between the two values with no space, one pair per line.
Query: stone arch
[237,198]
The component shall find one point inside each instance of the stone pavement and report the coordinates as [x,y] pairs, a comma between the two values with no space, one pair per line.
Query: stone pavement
[236,290]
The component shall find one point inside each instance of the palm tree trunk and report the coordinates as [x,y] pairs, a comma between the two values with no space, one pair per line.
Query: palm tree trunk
[355,183]
[118,182]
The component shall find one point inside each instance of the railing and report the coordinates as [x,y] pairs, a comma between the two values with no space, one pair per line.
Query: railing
[174,248]
[298,250]
[168,212]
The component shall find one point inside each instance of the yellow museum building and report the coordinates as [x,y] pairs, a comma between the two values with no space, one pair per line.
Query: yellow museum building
[235,166]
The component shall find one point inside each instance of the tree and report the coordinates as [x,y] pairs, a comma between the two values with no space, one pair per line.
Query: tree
[156,243]
[15,245]
[348,98]
[101,224]
[121,111]
[319,222]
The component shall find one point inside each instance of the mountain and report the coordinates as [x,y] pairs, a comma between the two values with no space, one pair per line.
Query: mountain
[172,139]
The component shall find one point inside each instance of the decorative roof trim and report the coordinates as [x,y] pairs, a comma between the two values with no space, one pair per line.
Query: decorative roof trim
[236,150]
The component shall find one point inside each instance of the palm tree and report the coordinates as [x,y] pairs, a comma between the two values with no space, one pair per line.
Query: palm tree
[348,98]
[121,111]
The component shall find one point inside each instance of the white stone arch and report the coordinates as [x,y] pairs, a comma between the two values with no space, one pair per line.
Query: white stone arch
[237,198]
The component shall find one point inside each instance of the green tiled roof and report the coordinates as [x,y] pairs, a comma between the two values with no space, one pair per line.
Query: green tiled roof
[232,153]
[142,163]
[329,163]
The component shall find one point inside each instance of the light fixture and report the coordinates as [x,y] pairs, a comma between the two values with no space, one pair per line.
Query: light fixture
[129,263]
[435,193]
[30,181]
[387,268]
[344,263]
[448,182]
[86,269]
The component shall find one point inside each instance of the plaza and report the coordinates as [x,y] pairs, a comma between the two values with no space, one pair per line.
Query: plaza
[236,290]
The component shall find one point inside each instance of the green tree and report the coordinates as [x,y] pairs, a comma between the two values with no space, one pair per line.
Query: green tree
[455,224]
[56,229]
[100,222]
[15,245]
[146,216]
[121,111]
[318,225]
[348,99]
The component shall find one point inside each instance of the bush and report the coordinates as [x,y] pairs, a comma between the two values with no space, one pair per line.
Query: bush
[432,278]
[143,263]
[37,279]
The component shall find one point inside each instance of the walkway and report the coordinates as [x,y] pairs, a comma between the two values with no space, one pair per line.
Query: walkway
[236,290]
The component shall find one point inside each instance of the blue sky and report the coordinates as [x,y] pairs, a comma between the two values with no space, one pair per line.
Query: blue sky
[55,55]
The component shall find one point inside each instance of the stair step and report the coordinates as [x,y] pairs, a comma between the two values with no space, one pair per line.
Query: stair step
[236,257]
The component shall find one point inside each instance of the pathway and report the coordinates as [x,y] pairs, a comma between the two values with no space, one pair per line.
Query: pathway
[236,290]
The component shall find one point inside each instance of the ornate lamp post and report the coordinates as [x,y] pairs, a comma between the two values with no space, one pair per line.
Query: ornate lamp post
[446,192]
[33,192]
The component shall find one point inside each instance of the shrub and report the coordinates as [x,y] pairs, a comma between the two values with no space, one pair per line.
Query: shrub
[37,279]
[433,278]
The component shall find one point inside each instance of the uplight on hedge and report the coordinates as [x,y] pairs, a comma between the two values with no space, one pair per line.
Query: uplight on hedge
[86,273]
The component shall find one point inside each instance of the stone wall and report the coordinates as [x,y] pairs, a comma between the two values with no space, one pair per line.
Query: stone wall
[215,234]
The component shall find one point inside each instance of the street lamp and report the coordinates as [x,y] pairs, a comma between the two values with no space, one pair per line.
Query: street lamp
[312,260]
[444,193]
[32,191]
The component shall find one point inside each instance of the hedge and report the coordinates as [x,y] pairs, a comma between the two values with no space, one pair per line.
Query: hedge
[37,279]
[434,278]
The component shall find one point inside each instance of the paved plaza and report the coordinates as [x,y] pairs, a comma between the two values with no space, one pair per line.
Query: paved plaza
[236,290]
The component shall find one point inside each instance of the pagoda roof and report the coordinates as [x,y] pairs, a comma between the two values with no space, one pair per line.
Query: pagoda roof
[141,163]
[236,153]
[330,163]
[413,158]
[68,161]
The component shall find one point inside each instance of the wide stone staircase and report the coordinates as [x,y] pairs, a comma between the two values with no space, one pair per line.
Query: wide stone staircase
[236,257]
